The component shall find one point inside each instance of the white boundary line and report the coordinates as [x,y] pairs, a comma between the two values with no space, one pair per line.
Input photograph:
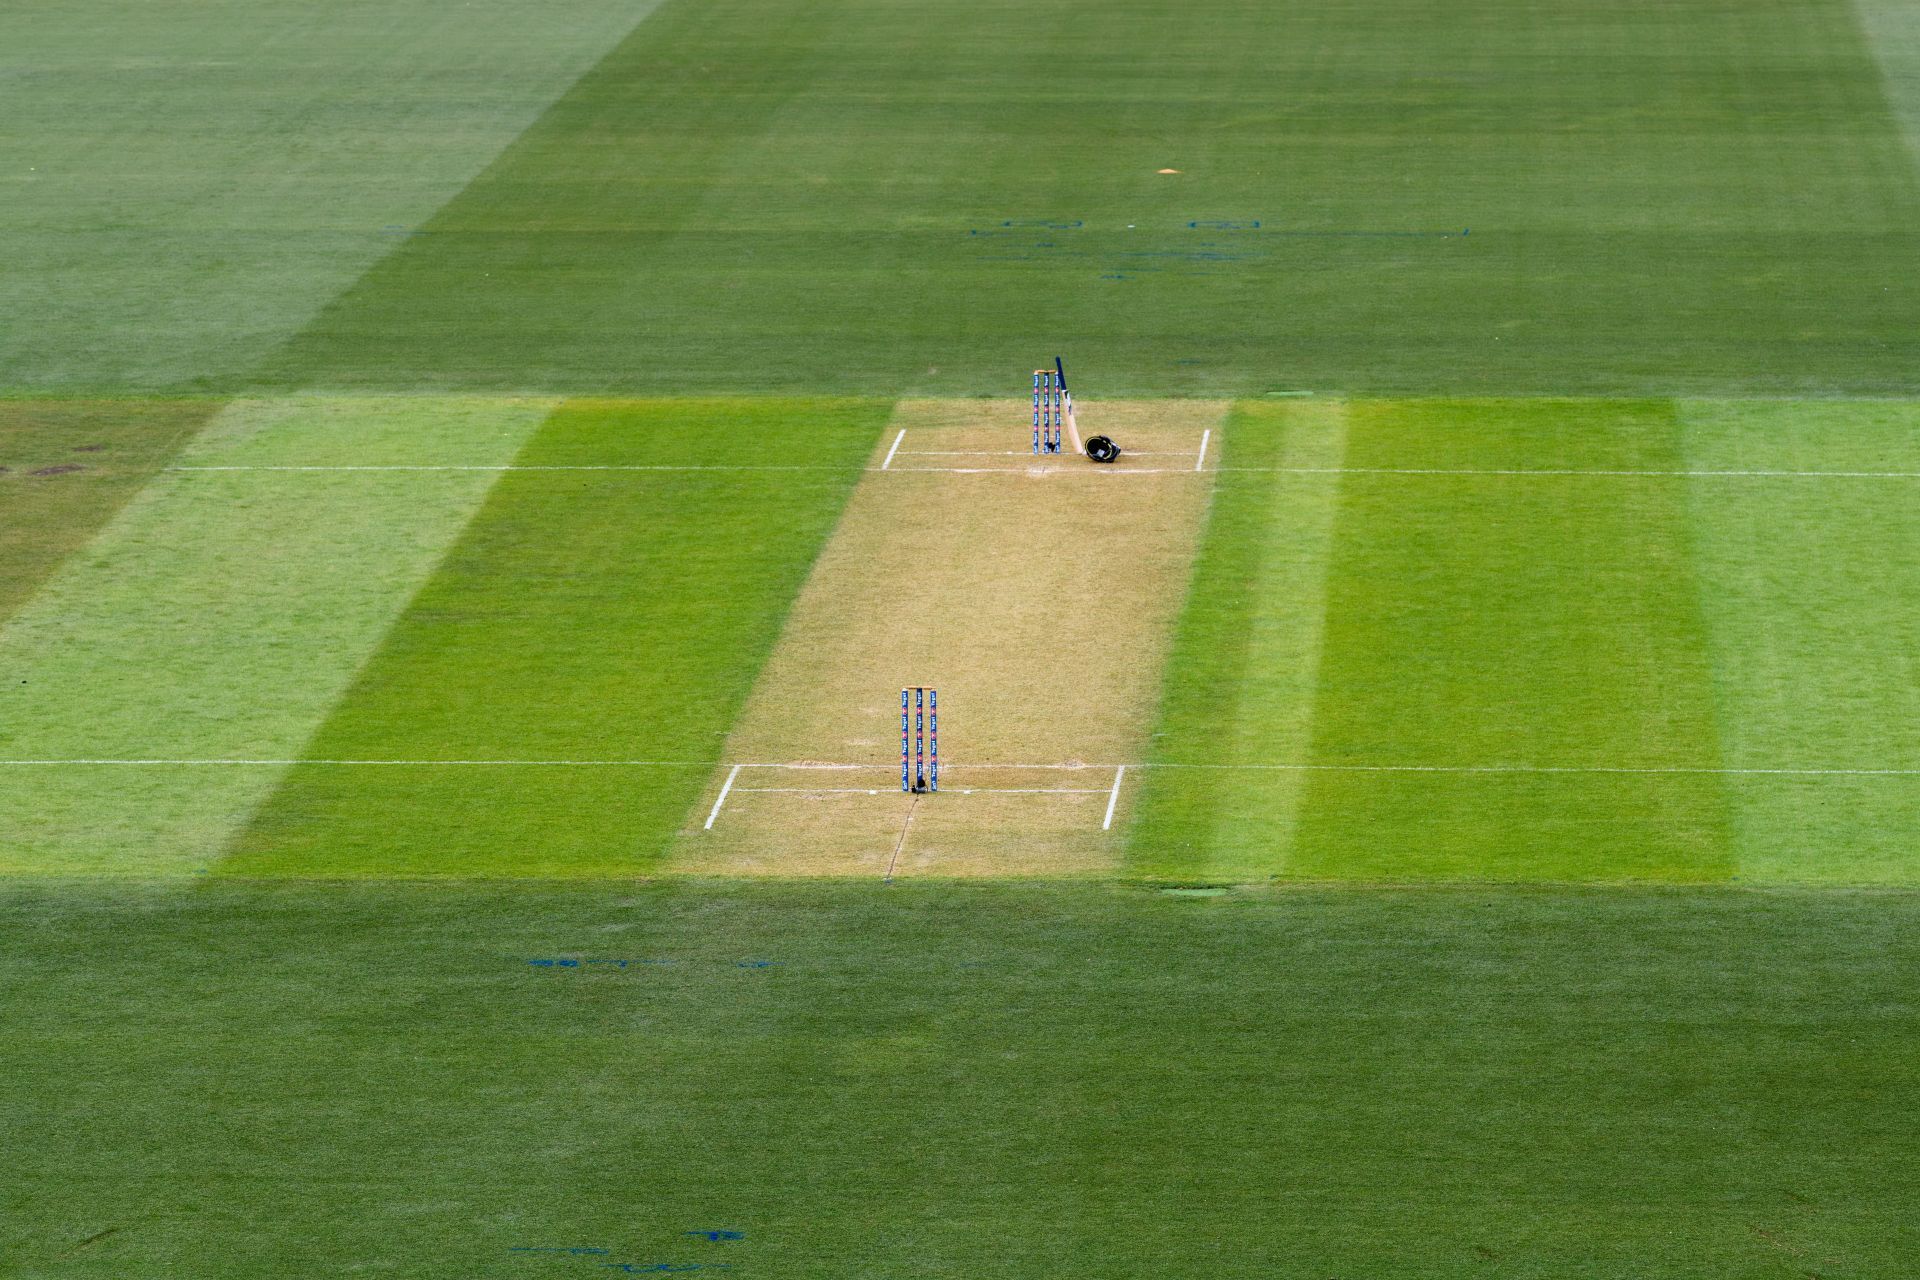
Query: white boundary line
[950,766]
[744,467]
[757,466]
[1526,472]
[369,764]
[1114,797]
[896,448]
[1200,462]
[731,775]
[1199,466]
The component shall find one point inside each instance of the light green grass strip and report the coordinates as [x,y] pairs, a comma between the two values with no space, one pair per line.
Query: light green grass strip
[1240,684]
[585,615]
[1892,32]
[1812,594]
[219,616]
[1479,620]
[183,184]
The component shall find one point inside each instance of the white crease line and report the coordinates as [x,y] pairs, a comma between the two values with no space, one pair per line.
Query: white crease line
[731,775]
[1095,470]
[947,765]
[1114,798]
[1201,461]
[896,448]
[962,791]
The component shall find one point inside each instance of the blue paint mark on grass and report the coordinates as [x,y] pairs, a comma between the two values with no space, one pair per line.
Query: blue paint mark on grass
[622,962]
[1359,234]
[572,1249]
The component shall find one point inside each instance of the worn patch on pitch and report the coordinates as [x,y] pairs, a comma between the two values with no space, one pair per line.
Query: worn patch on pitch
[1037,594]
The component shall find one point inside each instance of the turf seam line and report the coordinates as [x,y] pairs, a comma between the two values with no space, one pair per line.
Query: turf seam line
[901,843]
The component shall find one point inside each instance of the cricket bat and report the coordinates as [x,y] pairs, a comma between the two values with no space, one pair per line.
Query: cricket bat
[1066,401]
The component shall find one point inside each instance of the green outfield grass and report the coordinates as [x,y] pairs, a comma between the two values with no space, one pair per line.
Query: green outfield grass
[259,1080]
[182,185]
[886,197]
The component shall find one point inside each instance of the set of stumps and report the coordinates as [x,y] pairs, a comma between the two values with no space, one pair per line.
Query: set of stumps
[1053,415]
[920,707]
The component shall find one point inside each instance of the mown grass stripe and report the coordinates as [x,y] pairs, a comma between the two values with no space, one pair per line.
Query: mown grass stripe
[1471,622]
[219,616]
[582,615]
[1239,684]
[1812,599]
[1891,32]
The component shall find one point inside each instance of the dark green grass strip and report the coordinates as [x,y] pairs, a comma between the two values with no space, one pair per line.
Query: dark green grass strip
[1486,620]
[255,1081]
[583,616]
[67,466]
[869,195]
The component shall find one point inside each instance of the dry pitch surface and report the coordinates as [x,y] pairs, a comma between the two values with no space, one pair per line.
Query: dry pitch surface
[1038,595]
